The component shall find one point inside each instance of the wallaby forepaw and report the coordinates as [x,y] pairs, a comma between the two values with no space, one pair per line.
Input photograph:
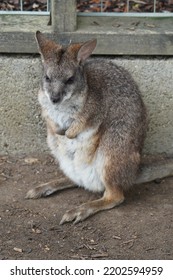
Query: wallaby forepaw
[70,133]
[76,215]
[75,129]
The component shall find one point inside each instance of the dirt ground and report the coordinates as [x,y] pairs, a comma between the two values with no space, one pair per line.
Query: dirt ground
[141,228]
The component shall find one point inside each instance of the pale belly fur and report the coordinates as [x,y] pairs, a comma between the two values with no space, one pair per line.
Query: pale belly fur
[74,155]
[75,161]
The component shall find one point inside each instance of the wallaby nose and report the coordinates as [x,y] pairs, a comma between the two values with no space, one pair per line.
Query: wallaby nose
[55,99]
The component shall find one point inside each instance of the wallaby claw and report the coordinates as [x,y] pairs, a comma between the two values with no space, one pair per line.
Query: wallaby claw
[76,215]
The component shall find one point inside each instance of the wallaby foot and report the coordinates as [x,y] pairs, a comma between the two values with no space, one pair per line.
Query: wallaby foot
[49,188]
[108,201]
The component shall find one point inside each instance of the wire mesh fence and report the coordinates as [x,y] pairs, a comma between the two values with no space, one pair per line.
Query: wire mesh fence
[125,6]
[88,7]
[25,7]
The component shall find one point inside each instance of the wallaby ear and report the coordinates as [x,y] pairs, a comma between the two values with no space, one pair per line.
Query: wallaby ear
[47,48]
[40,38]
[86,50]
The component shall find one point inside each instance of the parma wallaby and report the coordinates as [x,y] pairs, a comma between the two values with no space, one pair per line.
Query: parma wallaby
[96,125]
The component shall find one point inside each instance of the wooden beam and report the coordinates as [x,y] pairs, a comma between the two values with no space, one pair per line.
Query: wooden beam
[63,15]
[116,36]
[108,44]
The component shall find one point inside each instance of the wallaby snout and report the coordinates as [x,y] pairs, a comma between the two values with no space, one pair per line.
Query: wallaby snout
[55,99]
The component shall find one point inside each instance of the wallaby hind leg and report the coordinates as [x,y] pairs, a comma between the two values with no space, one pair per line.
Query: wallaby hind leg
[110,199]
[113,196]
[49,188]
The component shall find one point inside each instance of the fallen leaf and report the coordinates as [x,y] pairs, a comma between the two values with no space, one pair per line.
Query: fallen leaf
[31,160]
[19,250]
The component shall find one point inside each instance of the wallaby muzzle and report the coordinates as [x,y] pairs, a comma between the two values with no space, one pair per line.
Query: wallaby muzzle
[56,99]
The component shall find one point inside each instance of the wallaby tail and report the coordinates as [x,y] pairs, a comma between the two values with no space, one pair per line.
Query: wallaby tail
[153,168]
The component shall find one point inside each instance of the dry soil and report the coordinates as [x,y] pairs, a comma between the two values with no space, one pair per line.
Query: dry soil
[141,228]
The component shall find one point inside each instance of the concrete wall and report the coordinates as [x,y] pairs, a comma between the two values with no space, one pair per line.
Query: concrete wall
[21,127]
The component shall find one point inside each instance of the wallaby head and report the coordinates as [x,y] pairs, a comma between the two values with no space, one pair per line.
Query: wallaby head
[63,67]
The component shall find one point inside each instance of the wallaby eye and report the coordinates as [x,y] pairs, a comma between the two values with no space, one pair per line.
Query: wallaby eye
[70,80]
[47,79]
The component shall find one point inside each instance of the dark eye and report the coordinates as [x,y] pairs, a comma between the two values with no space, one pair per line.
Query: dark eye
[70,80]
[47,79]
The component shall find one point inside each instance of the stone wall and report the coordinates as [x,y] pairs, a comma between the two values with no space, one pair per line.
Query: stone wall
[21,127]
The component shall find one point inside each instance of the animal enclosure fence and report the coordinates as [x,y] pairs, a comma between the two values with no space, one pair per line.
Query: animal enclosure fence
[91,7]
[135,27]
